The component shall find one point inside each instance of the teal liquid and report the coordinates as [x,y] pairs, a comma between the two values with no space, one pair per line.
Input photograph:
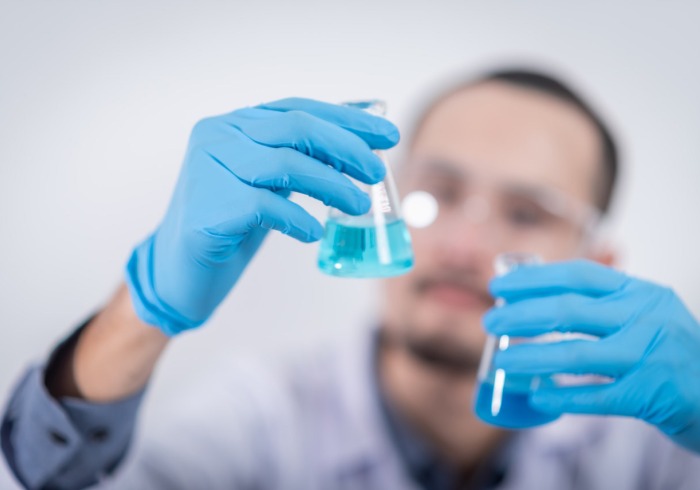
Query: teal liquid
[354,249]
[513,411]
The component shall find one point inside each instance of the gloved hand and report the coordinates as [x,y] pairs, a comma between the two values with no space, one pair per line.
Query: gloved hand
[238,172]
[649,343]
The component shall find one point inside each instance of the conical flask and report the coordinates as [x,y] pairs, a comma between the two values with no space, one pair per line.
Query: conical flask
[375,244]
[502,397]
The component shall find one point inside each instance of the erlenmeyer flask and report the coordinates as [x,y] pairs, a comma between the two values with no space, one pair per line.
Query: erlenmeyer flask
[502,397]
[375,244]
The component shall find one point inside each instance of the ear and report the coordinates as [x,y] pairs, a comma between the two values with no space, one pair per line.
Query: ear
[604,254]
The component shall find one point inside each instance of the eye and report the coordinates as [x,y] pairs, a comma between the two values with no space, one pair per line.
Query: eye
[526,216]
[445,194]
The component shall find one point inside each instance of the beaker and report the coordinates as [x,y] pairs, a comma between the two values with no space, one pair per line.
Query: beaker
[502,398]
[375,244]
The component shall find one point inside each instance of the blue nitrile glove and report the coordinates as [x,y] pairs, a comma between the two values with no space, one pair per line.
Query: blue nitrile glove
[649,343]
[238,172]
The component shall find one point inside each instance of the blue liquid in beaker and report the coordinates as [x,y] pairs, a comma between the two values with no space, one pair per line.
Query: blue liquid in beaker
[508,406]
[361,249]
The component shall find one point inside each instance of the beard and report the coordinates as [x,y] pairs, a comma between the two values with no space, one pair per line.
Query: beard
[438,352]
[440,344]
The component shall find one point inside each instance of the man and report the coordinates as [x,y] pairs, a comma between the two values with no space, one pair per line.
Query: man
[516,163]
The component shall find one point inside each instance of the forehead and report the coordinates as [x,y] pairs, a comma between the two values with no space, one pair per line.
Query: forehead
[517,135]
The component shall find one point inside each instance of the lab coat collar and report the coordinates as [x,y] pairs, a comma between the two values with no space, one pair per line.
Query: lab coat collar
[367,447]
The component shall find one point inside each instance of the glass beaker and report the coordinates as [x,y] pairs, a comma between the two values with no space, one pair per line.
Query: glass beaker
[502,398]
[375,244]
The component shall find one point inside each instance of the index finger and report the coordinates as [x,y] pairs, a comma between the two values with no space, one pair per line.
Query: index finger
[580,276]
[376,131]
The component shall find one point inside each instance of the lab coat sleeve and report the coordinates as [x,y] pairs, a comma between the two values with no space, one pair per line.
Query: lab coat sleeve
[224,434]
[67,443]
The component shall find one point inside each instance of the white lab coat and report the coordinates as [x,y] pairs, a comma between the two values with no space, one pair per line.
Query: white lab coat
[316,424]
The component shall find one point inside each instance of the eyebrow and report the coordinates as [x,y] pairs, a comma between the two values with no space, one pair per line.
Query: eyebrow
[552,199]
[444,169]
[533,192]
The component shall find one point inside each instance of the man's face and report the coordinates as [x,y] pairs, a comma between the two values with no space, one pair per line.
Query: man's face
[511,169]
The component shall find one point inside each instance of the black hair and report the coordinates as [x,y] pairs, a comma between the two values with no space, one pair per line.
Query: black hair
[555,87]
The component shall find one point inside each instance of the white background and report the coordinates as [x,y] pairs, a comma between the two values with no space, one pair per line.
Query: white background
[97,99]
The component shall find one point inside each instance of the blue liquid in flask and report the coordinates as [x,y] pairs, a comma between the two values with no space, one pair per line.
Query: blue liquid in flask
[502,398]
[359,248]
[504,402]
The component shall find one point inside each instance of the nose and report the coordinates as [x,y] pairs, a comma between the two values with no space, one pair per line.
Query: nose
[469,239]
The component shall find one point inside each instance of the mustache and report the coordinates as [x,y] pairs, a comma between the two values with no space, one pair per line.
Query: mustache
[438,354]
[457,279]
[444,358]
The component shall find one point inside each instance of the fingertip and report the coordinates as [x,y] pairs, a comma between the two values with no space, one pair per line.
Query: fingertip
[363,204]
[297,103]
[509,287]
[543,401]
[316,232]
[393,135]
[309,233]
[388,137]
[378,172]
[489,321]
[355,202]
[372,172]
[495,286]
[502,360]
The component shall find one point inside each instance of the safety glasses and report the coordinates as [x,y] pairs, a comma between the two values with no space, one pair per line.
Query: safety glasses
[514,216]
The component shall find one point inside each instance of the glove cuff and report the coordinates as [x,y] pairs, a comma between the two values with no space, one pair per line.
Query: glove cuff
[149,308]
